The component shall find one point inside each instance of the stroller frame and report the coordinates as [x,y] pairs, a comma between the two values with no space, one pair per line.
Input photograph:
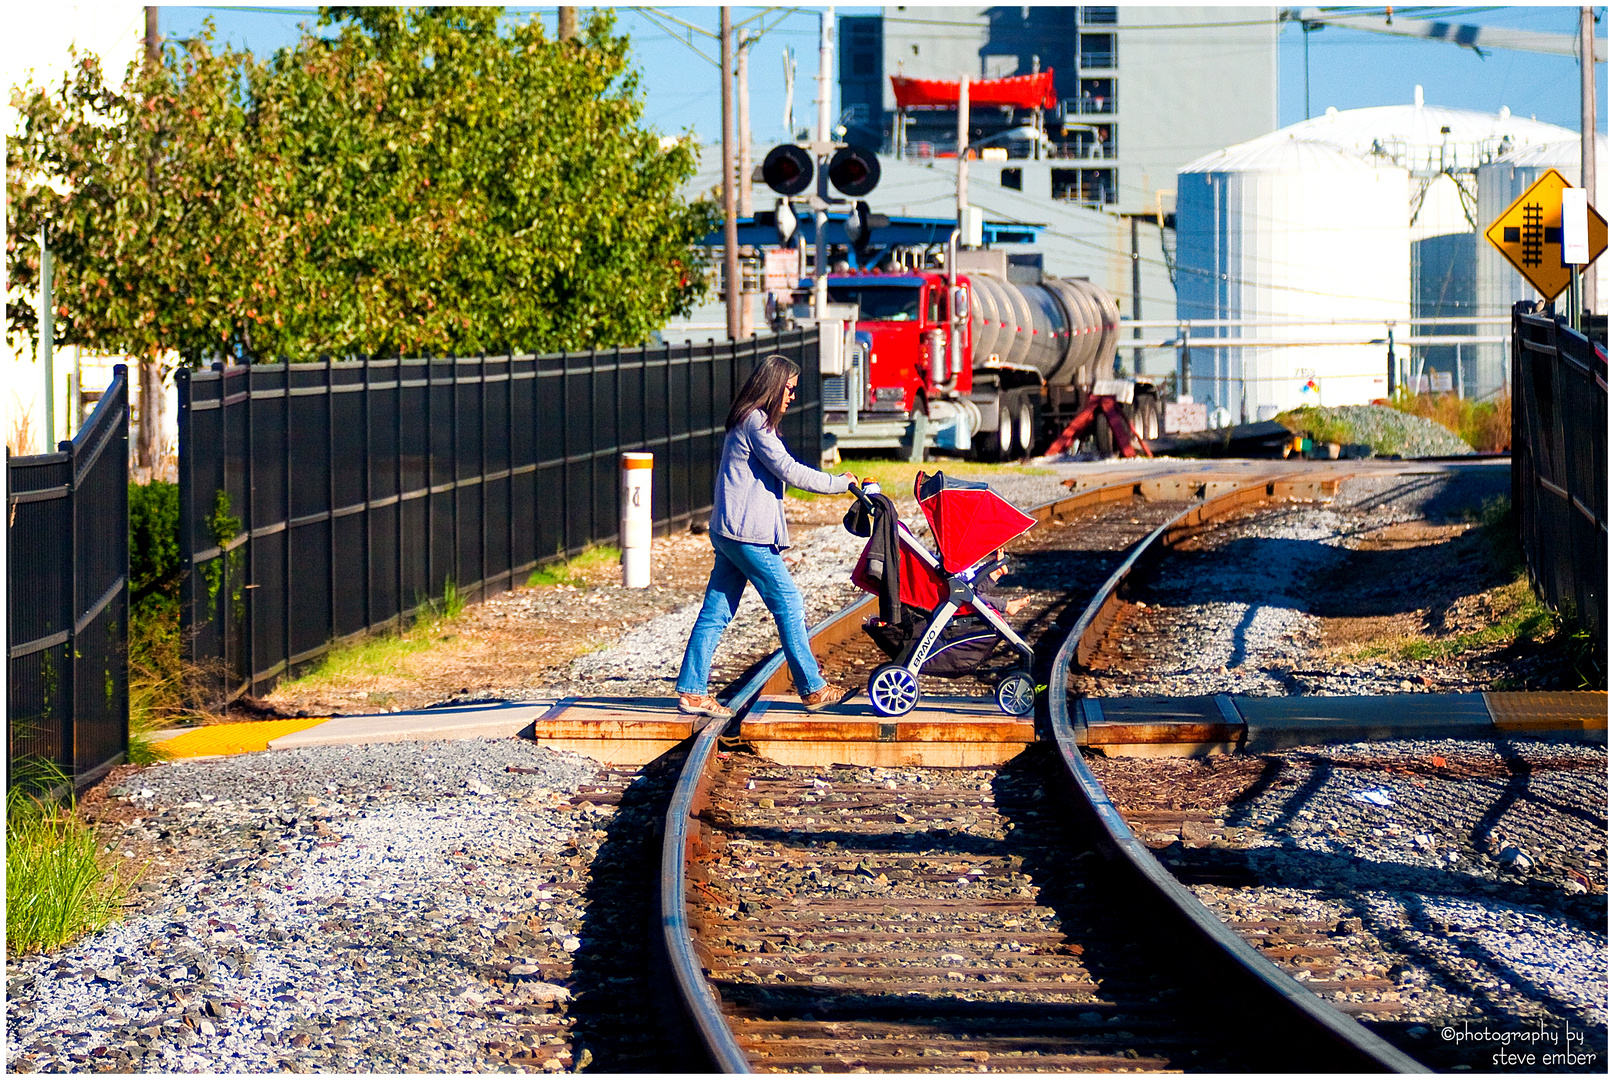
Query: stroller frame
[893,688]
[961,593]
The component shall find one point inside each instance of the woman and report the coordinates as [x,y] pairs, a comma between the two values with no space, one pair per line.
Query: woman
[748,533]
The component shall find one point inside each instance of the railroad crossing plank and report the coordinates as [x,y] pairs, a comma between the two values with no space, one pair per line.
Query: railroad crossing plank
[616,731]
[1575,710]
[1157,727]
[950,731]
[484,720]
[1277,722]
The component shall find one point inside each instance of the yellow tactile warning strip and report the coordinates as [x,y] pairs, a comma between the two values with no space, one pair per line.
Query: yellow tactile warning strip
[1553,710]
[233,738]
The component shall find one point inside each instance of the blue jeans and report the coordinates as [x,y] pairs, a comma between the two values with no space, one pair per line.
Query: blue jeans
[761,565]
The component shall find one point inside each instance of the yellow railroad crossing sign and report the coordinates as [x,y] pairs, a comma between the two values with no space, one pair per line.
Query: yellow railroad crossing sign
[1530,234]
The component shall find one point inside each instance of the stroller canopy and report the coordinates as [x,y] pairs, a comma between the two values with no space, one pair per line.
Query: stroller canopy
[968,519]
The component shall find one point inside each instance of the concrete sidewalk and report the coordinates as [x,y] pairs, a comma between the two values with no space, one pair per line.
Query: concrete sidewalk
[482,720]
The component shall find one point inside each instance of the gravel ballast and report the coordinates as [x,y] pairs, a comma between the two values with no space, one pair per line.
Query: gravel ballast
[1472,875]
[1390,432]
[425,907]
[326,909]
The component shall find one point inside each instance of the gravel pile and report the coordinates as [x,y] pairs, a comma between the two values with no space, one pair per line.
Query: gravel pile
[1472,874]
[1393,433]
[346,909]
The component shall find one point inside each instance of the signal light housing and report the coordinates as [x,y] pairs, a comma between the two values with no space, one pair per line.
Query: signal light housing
[788,169]
[855,171]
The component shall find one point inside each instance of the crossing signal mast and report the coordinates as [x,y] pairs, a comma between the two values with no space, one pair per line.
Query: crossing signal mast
[853,171]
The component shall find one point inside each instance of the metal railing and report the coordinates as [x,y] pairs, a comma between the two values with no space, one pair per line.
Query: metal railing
[1401,366]
[322,501]
[1560,467]
[1089,106]
[67,582]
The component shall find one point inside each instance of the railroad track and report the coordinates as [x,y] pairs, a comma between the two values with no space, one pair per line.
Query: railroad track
[1003,918]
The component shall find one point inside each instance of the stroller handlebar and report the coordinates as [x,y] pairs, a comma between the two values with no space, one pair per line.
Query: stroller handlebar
[859,491]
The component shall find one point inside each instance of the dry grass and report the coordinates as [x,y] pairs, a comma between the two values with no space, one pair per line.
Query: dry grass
[1487,426]
[896,477]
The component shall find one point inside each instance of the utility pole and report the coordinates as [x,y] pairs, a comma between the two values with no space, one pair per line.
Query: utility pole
[1588,141]
[742,113]
[47,335]
[1137,297]
[565,23]
[149,433]
[826,52]
[963,156]
[731,232]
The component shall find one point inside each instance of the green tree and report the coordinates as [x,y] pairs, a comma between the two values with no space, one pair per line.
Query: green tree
[449,187]
[142,191]
[422,181]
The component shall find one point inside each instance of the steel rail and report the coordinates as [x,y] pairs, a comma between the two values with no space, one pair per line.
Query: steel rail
[1356,1048]
[698,1001]
[696,996]
[1361,1049]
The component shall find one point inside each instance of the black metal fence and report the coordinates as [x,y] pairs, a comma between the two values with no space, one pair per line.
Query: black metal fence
[67,581]
[1560,467]
[322,501]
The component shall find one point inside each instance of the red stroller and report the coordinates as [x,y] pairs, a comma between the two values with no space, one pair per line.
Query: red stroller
[970,522]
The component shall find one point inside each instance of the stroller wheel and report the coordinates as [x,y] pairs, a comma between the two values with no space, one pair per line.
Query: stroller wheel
[1017,694]
[893,690]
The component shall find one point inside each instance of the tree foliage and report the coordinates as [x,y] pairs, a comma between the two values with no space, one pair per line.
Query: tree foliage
[418,181]
[139,189]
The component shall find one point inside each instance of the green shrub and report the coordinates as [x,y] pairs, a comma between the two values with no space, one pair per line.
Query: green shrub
[157,683]
[1487,426]
[56,884]
[154,540]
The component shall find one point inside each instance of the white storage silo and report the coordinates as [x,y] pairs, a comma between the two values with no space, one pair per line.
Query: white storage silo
[1279,229]
[1497,283]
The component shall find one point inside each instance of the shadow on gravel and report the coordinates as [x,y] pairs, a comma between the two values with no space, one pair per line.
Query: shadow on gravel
[614,997]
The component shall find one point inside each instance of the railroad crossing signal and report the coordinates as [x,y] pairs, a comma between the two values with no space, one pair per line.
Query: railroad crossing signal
[1530,234]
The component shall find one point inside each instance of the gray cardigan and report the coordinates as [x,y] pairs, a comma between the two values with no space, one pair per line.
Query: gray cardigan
[749,499]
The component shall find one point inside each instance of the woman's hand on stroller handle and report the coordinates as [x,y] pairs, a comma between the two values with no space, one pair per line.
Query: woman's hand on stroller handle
[856,487]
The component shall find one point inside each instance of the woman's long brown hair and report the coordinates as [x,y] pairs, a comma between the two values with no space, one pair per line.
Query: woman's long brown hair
[764,390]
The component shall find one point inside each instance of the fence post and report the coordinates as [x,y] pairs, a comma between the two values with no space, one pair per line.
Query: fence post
[187,555]
[510,560]
[429,461]
[482,475]
[330,500]
[75,605]
[249,557]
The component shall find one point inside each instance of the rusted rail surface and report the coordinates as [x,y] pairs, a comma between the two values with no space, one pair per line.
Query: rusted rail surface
[957,919]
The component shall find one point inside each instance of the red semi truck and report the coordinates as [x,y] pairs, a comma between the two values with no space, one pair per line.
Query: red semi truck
[993,359]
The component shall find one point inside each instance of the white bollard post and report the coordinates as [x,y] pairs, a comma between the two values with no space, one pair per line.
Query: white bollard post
[636,470]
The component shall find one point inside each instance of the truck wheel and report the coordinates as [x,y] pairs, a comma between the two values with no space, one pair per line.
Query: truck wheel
[1025,428]
[1103,437]
[1003,445]
[1146,412]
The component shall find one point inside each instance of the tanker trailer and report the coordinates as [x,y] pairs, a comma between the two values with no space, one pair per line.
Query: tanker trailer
[1041,347]
[999,380]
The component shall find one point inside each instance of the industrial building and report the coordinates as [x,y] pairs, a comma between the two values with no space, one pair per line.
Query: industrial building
[1368,214]
[1141,90]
